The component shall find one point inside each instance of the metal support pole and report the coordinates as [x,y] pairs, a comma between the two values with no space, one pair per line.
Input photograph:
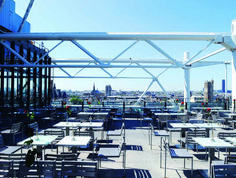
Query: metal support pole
[226,79]
[186,82]
[26,15]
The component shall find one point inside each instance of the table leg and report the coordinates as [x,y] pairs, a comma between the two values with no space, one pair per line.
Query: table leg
[67,131]
[74,149]
[210,158]
[183,130]
[208,132]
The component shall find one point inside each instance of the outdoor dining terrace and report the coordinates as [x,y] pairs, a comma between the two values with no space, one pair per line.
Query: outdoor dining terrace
[103,142]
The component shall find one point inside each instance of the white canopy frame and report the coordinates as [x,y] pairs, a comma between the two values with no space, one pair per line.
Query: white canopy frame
[103,64]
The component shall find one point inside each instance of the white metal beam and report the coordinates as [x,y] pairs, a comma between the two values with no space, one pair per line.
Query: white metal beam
[145,91]
[112,36]
[64,71]
[209,55]
[123,52]
[161,51]
[199,52]
[91,55]
[87,52]
[48,52]
[163,89]
[15,53]
[26,15]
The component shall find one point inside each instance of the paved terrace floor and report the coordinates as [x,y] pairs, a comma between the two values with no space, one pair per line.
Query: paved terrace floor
[144,162]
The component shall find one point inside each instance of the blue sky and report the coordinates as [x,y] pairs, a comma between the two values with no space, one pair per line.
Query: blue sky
[135,16]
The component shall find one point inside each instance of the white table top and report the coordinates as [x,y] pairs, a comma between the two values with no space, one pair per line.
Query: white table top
[91,124]
[100,113]
[67,124]
[213,143]
[162,114]
[74,141]
[79,124]
[182,125]
[231,139]
[208,125]
[40,140]
[85,113]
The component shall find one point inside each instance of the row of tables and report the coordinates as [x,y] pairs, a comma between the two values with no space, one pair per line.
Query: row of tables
[211,143]
[74,141]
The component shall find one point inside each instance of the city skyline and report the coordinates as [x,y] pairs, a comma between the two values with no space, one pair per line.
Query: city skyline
[135,16]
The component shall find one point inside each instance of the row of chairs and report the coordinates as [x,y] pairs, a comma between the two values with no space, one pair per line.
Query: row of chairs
[49,169]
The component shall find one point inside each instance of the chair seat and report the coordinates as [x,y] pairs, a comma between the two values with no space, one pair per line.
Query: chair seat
[114,133]
[7,131]
[174,129]
[109,152]
[9,149]
[180,153]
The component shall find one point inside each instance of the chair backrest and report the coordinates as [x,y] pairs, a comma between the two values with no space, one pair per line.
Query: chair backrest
[172,121]
[59,133]
[196,121]
[42,168]
[34,126]
[2,145]
[79,168]
[5,168]
[61,157]
[226,170]
[84,133]
[16,127]
[222,135]
[196,133]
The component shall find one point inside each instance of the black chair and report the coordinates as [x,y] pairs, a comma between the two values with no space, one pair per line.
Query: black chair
[6,168]
[16,129]
[7,149]
[42,168]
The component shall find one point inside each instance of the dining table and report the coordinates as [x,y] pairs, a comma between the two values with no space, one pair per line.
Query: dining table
[74,142]
[40,141]
[211,144]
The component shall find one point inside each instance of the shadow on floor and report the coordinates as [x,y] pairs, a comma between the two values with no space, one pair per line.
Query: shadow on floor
[119,173]
[196,174]
[134,147]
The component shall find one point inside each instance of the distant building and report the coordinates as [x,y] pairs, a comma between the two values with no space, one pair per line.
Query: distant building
[108,90]
[196,99]
[96,93]
[223,85]
[208,91]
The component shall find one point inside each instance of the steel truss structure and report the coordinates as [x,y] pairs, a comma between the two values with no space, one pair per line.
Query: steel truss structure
[225,40]
[103,64]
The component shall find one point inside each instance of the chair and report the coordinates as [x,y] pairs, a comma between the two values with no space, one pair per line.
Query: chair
[59,158]
[34,126]
[115,132]
[16,128]
[110,150]
[176,153]
[5,168]
[171,129]
[7,149]
[16,158]
[60,134]
[224,170]
[79,168]
[42,168]
[87,133]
